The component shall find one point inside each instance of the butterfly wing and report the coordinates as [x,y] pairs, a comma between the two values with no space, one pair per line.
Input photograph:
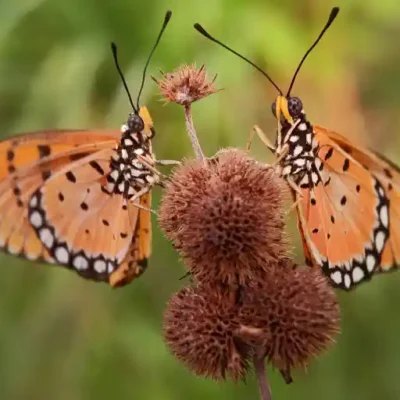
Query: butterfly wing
[388,175]
[138,254]
[53,208]
[27,161]
[344,215]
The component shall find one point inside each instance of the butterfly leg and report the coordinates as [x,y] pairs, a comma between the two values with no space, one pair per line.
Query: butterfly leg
[297,189]
[138,195]
[167,162]
[263,137]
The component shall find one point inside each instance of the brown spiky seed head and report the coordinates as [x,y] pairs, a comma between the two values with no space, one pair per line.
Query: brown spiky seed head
[186,85]
[198,328]
[289,317]
[225,217]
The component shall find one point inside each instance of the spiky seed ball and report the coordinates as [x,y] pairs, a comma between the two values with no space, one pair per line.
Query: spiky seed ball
[186,85]
[290,317]
[225,217]
[198,328]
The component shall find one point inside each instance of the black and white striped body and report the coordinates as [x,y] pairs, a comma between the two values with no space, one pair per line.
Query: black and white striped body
[130,173]
[300,161]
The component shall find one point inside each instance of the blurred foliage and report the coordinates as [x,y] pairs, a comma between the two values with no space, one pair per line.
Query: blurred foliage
[65,338]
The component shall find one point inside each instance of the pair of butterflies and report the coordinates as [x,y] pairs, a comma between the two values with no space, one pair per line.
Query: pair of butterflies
[80,199]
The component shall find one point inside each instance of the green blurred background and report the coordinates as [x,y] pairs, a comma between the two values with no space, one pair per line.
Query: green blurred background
[65,338]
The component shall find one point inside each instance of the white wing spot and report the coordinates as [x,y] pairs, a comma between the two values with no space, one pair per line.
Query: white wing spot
[384,215]
[34,201]
[46,237]
[347,281]
[294,138]
[36,219]
[336,277]
[61,255]
[110,267]
[371,262]
[80,263]
[100,266]
[380,240]
[358,274]
[303,126]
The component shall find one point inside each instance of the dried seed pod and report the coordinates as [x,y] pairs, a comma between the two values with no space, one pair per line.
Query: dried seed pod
[198,328]
[225,217]
[289,317]
[186,85]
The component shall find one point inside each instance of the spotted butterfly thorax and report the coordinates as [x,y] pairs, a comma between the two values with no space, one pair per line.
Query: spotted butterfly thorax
[81,199]
[347,197]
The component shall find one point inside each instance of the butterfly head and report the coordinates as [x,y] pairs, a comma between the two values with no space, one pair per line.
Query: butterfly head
[287,109]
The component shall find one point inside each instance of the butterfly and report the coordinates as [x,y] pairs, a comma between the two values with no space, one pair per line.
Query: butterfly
[347,197]
[80,199]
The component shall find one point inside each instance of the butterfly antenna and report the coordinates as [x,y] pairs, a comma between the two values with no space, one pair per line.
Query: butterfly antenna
[167,17]
[200,29]
[114,51]
[332,16]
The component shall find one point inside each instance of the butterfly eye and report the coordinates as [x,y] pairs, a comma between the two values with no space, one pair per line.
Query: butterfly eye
[273,109]
[295,106]
[135,123]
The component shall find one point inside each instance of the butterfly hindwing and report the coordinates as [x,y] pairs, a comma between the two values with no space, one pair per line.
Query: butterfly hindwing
[344,215]
[388,175]
[137,256]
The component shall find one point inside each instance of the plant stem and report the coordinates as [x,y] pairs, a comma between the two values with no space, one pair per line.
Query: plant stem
[192,133]
[262,378]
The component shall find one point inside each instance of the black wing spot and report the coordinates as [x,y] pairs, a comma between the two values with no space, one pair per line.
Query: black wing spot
[17,191]
[328,236]
[95,165]
[10,155]
[11,168]
[60,196]
[44,150]
[87,231]
[46,175]
[328,155]
[313,202]
[70,176]
[315,230]
[358,188]
[20,203]
[388,173]
[84,206]
[105,222]
[346,164]
[327,182]
[332,219]
[343,201]
[124,207]
[123,235]
[390,186]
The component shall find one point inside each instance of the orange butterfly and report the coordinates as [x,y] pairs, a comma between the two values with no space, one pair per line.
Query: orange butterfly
[81,199]
[347,198]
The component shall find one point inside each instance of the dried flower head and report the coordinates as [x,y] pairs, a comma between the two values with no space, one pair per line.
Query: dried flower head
[198,328]
[225,217]
[186,85]
[289,317]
